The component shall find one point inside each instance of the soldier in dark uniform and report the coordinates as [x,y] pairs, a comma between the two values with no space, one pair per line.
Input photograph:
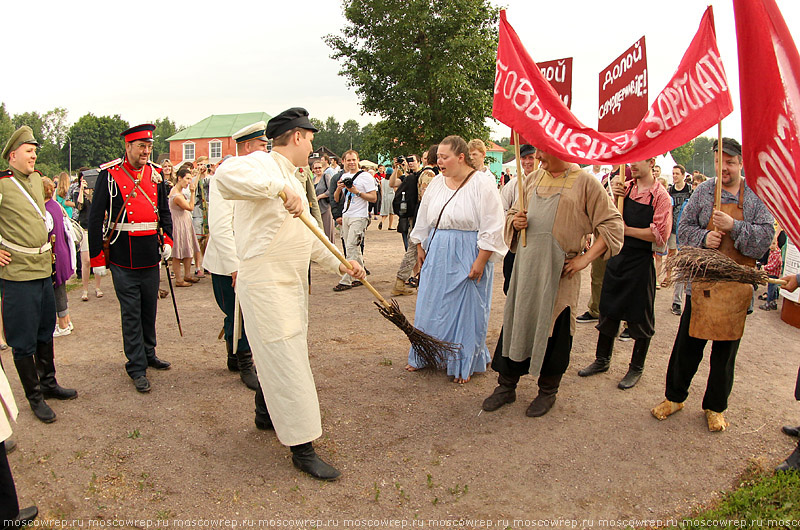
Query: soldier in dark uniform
[132,198]
[26,266]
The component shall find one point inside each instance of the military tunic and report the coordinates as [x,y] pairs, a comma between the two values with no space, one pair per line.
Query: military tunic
[134,254]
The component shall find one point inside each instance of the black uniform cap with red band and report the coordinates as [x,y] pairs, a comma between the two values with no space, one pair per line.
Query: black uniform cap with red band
[142,132]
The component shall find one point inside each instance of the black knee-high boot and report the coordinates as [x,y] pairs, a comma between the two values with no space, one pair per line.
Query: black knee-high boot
[29,377]
[46,366]
[605,346]
[636,366]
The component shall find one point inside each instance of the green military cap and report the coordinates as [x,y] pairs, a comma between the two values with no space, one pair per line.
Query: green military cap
[23,135]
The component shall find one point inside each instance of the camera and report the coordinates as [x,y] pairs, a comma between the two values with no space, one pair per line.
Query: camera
[400,159]
[348,182]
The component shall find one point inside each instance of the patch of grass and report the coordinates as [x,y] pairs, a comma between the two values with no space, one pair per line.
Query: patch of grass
[79,454]
[430,481]
[401,491]
[164,514]
[458,491]
[772,498]
[134,434]
[92,488]
[377,491]
[385,362]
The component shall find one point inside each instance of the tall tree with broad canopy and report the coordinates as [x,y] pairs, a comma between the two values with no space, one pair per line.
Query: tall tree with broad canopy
[425,66]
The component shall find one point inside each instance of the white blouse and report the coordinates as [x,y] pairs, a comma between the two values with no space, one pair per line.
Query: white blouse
[476,208]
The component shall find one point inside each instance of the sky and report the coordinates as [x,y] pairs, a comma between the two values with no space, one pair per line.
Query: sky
[188,60]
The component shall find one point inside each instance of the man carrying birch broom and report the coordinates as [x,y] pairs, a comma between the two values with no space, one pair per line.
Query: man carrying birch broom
[274,249]
[742,229]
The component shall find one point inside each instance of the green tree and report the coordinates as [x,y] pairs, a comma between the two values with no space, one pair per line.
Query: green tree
[96,140]
[425,66]
[6,129]
[165,128]
[55,127]
[683,154]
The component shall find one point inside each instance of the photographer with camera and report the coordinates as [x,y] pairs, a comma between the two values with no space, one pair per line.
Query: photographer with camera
[404,180]
[358,190]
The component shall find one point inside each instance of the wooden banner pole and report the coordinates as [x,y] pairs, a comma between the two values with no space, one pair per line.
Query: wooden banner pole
[621,177]
[718,187]
[520,188]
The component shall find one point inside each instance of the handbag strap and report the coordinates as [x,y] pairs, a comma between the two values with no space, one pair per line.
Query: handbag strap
[438,219]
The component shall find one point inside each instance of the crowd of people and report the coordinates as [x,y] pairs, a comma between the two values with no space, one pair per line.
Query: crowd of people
[242,220]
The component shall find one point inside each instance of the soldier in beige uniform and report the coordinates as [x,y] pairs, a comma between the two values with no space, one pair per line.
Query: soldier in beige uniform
[274,249]
[26,266]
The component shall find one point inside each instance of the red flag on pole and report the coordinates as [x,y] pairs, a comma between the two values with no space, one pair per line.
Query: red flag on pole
[769,82]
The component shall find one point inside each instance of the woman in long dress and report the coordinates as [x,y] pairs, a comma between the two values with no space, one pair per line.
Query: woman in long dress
[387,196]
[185,242]
[457,258]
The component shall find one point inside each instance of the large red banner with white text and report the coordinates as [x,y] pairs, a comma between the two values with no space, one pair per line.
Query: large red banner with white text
[769,83]
[695,99]
[623,91]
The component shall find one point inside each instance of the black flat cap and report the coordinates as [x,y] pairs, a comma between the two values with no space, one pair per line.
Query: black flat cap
[729,146]
[288,120]
[526,149]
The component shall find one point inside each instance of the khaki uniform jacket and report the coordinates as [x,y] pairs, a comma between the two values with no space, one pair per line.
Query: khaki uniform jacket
[21,224]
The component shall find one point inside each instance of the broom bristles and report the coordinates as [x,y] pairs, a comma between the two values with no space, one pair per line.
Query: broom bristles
[432,352]
[710,265]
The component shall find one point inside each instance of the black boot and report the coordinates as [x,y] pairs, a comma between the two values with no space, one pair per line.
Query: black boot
[605,346]
[791,431]
[636,366]
[506,392]
[24,518]
[791,463]
[26,368]
[46,366]
[263,421]
[247,371]
[548,388]
[305,459]
[233,362]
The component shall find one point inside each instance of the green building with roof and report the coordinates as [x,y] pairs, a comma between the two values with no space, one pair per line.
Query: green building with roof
[211,137]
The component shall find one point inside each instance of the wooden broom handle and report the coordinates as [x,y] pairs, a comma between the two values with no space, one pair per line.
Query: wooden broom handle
[327,242]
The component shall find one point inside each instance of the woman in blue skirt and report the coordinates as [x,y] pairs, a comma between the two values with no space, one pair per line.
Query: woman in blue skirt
[459,237]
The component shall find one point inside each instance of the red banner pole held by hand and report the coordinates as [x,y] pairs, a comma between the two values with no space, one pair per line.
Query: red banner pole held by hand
[520,189]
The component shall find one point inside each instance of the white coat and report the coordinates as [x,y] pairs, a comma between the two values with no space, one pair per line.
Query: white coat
[274,251]
[9,407]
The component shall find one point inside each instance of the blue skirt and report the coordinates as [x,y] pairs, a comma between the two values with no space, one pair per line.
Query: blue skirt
[452,307]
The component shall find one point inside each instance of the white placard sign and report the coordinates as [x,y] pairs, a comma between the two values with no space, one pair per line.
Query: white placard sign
[791,265]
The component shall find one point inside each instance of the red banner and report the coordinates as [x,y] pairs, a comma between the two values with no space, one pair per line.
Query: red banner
[769,81]
[696,99]
[623,91]
[559,74]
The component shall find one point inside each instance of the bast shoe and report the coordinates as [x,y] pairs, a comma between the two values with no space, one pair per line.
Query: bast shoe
[716,421]
[665,409]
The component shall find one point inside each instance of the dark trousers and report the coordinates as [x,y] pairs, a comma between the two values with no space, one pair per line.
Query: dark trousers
[508,268]
[226,300]
[687,352]
[9,504]
[137,292]
[556,356]
[29,314]
[609,326]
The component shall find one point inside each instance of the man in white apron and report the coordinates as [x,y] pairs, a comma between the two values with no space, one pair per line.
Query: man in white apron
[274,249]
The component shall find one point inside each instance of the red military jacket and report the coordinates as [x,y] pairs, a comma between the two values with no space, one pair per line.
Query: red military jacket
[146,203]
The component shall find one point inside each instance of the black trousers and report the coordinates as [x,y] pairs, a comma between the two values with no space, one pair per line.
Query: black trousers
[226,300]
[9,504]
[29,314]
[508,268]
[609,326]
[556,355]
[687,352]
[137,292]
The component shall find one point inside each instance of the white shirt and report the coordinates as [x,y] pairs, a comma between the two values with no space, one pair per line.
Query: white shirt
[358,207]
[254,182]
[508,194]
[476,207]
[220,257]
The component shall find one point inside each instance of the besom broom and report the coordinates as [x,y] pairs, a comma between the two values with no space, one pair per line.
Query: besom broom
[432,352]
[710,265]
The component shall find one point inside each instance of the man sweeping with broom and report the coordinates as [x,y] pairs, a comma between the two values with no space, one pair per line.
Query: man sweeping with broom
[274,249]
[742,229]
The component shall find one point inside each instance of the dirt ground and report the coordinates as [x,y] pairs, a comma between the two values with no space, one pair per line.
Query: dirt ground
[410,447]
